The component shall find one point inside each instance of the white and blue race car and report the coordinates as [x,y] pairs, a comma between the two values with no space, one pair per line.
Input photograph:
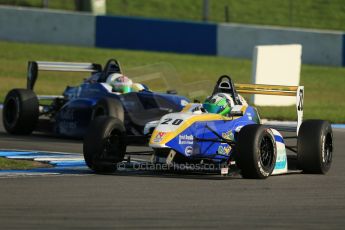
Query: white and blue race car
[236,142]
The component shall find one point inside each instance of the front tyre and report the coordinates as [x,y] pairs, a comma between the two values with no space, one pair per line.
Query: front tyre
[315,146]
[108,107]
[21,111]
[256,152]
[104,144]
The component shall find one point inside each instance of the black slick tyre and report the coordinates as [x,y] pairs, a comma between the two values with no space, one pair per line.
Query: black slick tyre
[256,152]
[104,144]
[20,112]
[108,107]
[315,146]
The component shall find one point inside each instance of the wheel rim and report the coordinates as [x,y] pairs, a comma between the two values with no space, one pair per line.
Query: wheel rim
[11,111]
[327,151]
[266,152]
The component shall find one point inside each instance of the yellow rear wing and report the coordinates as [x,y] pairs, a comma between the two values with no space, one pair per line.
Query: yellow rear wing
[279,90]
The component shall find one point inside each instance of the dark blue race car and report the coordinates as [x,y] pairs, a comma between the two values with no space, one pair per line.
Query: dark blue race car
[70,114]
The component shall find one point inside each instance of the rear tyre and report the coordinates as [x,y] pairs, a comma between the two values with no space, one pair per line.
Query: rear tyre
[20,112]
[256,152]
[315,146]
[108,107]
[104,144]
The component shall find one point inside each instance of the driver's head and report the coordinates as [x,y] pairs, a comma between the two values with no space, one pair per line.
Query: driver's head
[120,83]
[218,103]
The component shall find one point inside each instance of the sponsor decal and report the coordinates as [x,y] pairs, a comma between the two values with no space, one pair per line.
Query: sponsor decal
[238,129]
[281,160]
[224,171]
[188,150]
[228,135]
[159,137]
[249,116]
[185,139]
[323,149]
[224,150]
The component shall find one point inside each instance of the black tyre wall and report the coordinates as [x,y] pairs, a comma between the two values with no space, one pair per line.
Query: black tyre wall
[21,111]
[313,137]
[95,140]
[248,153]
[108,107]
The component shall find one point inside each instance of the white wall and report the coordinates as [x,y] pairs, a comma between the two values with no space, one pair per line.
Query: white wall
[46,26]
[276,65]
[319,47]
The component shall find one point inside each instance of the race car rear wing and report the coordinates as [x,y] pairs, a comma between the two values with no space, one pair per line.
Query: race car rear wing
[112,66]
[35,66]
[279,90]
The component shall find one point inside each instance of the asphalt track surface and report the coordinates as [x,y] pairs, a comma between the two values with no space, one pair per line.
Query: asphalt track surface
[164,201]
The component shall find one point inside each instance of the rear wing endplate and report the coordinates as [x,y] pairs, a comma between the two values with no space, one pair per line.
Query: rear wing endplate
[279,90]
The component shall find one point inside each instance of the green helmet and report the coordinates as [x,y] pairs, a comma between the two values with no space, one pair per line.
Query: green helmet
[218,103]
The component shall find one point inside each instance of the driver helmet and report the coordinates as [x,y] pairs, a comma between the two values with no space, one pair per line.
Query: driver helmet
[120,83]
[219,103]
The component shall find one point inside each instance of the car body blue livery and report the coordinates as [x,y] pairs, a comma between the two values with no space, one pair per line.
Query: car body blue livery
[70,114]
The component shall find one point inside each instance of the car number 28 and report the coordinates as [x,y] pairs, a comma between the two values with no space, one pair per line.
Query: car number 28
[168,121]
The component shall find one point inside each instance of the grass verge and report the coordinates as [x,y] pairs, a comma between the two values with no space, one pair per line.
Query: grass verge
[324,86]
[324,14]
[11,164]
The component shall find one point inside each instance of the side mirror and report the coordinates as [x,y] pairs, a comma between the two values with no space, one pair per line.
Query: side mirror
[236,110]
[236,113]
